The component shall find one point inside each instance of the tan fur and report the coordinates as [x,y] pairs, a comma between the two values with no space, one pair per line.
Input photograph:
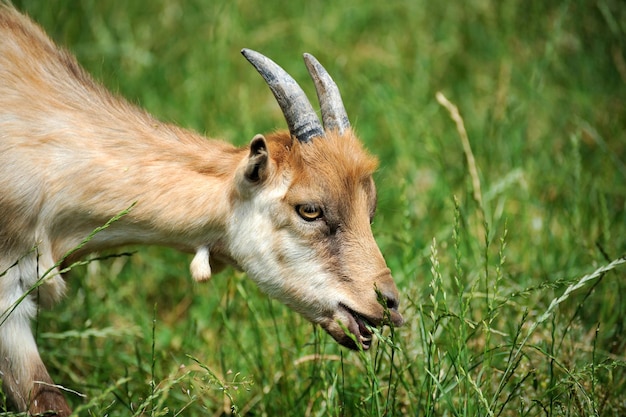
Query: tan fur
[73,156]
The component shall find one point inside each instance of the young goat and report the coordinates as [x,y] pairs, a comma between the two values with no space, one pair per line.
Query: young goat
[293,209]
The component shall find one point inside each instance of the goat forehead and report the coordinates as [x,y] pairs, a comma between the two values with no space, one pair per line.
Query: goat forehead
[335,163]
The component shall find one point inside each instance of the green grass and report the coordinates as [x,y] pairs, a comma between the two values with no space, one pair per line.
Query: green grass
[502,318]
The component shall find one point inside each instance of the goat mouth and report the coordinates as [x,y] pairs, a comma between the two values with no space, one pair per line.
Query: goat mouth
[359,326]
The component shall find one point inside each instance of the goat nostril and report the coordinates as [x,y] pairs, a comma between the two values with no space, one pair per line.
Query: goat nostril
[390,300]
[392,303]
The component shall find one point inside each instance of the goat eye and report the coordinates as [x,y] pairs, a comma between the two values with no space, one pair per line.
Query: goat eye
[309,212]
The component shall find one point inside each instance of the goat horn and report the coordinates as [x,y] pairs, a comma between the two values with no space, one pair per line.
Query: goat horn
[299,114]
[334,114]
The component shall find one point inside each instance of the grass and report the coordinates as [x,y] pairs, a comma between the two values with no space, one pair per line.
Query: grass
[508,261]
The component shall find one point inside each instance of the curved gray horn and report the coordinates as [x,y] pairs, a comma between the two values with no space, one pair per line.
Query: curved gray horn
[299,114]
[334,114]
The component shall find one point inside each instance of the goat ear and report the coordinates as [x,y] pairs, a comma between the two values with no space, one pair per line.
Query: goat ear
[257,166]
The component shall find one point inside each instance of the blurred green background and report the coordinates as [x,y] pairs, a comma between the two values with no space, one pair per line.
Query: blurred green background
[541,88]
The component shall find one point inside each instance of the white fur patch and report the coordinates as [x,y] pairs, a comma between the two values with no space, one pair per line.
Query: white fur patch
[200,266]
[280,261]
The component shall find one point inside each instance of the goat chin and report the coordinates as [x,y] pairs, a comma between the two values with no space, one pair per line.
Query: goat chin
[293,209]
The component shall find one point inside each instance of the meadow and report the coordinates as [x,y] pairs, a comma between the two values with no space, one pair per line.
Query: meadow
[501,132]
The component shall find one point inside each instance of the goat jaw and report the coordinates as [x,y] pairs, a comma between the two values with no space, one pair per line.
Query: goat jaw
[358,325]
[353,329]
[349,328]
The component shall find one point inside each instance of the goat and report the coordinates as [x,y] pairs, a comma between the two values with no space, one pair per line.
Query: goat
[293,209]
